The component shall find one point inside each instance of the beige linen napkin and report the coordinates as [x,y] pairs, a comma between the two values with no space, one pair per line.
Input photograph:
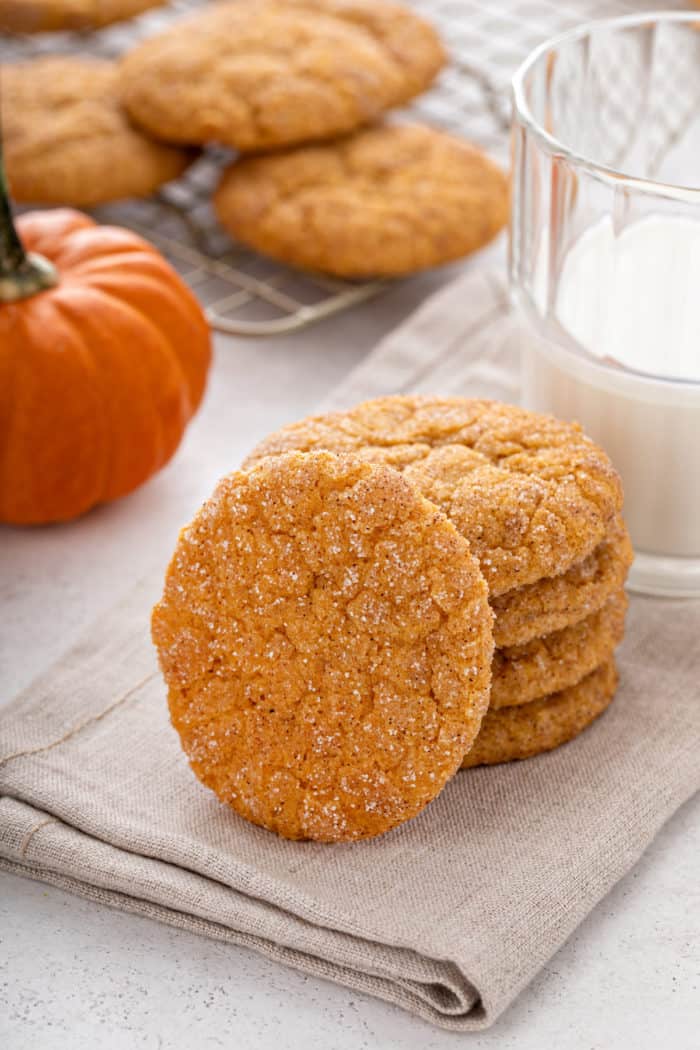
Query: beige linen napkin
[450,915]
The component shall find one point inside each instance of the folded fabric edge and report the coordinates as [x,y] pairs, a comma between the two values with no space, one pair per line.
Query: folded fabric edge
[409,995]
[37,839]
[607,874]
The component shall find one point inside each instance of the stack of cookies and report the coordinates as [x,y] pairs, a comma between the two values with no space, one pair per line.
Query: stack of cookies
[297,83]
[540,506]
[412,585]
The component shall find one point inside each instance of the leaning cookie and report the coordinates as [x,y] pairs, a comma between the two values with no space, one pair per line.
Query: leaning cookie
[532,494]
[67,139]
[260,74]
[386,201]
[522,673]
[326,640]
[513,733]
[42,16]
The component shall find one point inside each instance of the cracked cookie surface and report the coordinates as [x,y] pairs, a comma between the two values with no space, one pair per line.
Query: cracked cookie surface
[555,602]
[42,16]
[260,75]
[532,494]
[523,673]
[386,201]
[326,639]
[522,732]
[67,139]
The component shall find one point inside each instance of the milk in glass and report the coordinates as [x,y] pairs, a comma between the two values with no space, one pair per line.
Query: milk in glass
[622,357]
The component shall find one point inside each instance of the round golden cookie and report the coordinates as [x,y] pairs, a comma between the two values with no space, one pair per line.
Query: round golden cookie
[41,16]
[523,673]
[522,732]
[260,74]
[67,139]
[555,602]
[325,635]
[386,201]
[412,43]
[532,494]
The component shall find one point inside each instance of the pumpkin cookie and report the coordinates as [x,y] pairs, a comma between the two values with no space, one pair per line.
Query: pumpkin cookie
[41,16]
[385,201]
[68,141]
[523,673]
[560,601]
[532,494]
[326,639]
[259,74]
[521,732]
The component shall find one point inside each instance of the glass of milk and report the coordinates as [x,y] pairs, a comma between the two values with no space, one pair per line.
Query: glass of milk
[605,265]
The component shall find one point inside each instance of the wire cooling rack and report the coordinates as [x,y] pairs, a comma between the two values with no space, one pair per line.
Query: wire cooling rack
[245,294]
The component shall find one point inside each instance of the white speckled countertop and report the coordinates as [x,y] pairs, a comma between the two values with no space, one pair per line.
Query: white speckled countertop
[75,975]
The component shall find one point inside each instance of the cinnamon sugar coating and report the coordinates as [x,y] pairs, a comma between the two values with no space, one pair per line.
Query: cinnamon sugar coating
[522,673]
[555,602]
[532,494]
[522,732]
[326,640]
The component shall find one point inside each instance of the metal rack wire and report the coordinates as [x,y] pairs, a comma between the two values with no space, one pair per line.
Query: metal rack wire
[245,294]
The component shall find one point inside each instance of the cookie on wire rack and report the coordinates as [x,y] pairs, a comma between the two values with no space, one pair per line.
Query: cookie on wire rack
[67,139]
[262,74]
[43,16]
[383,202]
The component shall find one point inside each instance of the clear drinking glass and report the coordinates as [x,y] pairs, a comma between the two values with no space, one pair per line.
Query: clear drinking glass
[605,265]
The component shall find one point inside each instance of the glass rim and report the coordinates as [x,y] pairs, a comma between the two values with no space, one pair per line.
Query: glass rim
[522,114]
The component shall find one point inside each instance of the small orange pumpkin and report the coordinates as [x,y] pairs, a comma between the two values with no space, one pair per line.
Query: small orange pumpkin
[103,360]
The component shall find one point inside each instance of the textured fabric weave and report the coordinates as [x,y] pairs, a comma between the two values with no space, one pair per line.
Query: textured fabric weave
[450,915]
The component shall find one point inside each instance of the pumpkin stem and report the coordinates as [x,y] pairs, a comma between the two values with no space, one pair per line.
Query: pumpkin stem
[22,273]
